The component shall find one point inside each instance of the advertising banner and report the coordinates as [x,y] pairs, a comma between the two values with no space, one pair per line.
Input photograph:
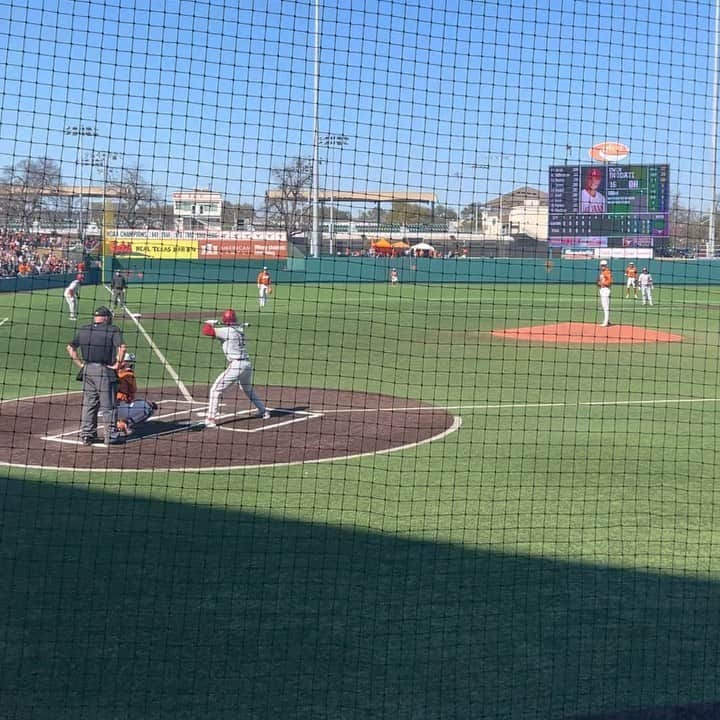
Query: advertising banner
[161,249]
[220,245]
[247,249]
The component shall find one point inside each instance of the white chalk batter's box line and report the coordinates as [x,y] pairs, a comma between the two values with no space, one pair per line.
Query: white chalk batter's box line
[72,437]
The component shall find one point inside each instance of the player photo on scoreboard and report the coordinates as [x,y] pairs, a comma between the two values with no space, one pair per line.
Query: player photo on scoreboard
[592,198]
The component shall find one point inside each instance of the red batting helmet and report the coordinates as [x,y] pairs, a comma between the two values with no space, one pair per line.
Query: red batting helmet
[229,317]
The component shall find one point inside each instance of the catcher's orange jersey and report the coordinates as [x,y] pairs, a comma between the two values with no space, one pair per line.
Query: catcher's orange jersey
[127,386]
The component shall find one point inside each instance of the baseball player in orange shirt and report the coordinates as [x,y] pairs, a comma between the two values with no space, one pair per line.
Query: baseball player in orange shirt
[264,284]
[631,275]
[604,282]
[131,410]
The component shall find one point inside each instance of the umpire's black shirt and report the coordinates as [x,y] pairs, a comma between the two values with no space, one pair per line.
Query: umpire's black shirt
[98,343]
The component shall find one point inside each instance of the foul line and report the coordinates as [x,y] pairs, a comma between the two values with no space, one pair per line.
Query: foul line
[168,367]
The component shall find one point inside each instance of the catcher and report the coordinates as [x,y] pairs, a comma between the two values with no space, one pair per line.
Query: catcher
[131,411]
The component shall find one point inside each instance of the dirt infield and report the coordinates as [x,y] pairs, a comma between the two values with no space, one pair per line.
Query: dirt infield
[573,333]
[307,425]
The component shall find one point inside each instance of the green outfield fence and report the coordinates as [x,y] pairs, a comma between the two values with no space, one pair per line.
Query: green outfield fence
[373,270]
[412,270]
[466,495]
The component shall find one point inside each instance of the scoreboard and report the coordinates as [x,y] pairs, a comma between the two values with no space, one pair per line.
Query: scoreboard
[608,205]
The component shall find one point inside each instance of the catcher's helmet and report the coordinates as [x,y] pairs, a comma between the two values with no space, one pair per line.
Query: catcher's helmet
[129,359]
[229,317]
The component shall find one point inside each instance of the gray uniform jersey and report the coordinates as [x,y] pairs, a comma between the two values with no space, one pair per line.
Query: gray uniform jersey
[233,342]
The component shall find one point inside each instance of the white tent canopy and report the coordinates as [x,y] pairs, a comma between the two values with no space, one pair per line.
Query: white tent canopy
[422,246]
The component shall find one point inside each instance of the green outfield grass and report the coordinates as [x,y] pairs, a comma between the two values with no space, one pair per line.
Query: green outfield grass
[557,556]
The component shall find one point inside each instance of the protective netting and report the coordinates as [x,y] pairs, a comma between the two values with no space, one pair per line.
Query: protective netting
[397,325]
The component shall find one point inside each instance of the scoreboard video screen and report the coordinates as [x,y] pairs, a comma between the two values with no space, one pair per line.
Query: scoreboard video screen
[608,205]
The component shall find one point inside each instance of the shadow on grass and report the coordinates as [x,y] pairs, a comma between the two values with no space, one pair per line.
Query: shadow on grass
[118,607]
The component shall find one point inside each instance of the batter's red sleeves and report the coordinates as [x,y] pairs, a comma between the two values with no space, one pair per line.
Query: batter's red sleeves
[208,330]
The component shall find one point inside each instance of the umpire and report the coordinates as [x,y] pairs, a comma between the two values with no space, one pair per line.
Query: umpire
[118,286]
[101,349]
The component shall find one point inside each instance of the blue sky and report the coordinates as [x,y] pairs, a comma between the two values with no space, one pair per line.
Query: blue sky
[461,98]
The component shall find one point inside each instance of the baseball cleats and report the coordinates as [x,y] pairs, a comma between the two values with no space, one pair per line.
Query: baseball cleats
[88,440]
[264,415]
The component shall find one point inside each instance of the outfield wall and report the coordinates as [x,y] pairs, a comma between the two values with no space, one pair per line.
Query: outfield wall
[46,282]
[411,270]
[364,269]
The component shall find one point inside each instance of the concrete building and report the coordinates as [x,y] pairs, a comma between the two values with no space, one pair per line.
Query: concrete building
[199,209]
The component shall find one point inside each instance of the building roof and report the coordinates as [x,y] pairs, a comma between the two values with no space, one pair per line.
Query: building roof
[362,196]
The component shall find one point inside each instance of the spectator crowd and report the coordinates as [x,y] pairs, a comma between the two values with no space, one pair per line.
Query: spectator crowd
[25,254]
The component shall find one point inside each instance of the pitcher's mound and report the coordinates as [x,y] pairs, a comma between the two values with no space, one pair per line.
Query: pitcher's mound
[571,333]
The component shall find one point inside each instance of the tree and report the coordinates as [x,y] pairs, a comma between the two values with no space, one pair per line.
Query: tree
[688,227]
[29,188]
[139,202]
[288,206]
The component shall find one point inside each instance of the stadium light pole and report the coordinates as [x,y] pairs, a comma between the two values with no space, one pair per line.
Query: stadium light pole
[315,236]
[101,159]
[330,141]
[81,131]
[710,250]
[476,166]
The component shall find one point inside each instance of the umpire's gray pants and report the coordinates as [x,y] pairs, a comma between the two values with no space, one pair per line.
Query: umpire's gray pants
[117,296]
[99,387]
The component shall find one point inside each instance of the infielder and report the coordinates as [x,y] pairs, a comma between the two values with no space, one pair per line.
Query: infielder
[131,410]
[631,277]
[239,370]
[604,283]
[264,284]
[72,296]
[646,286]
[118,286]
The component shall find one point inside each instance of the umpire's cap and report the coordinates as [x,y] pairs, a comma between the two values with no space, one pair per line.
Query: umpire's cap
[103,311]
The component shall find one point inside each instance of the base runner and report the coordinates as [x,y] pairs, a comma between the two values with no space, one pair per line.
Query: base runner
[72,296]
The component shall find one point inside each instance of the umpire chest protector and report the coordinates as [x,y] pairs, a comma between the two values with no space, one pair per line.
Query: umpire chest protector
[98,343]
